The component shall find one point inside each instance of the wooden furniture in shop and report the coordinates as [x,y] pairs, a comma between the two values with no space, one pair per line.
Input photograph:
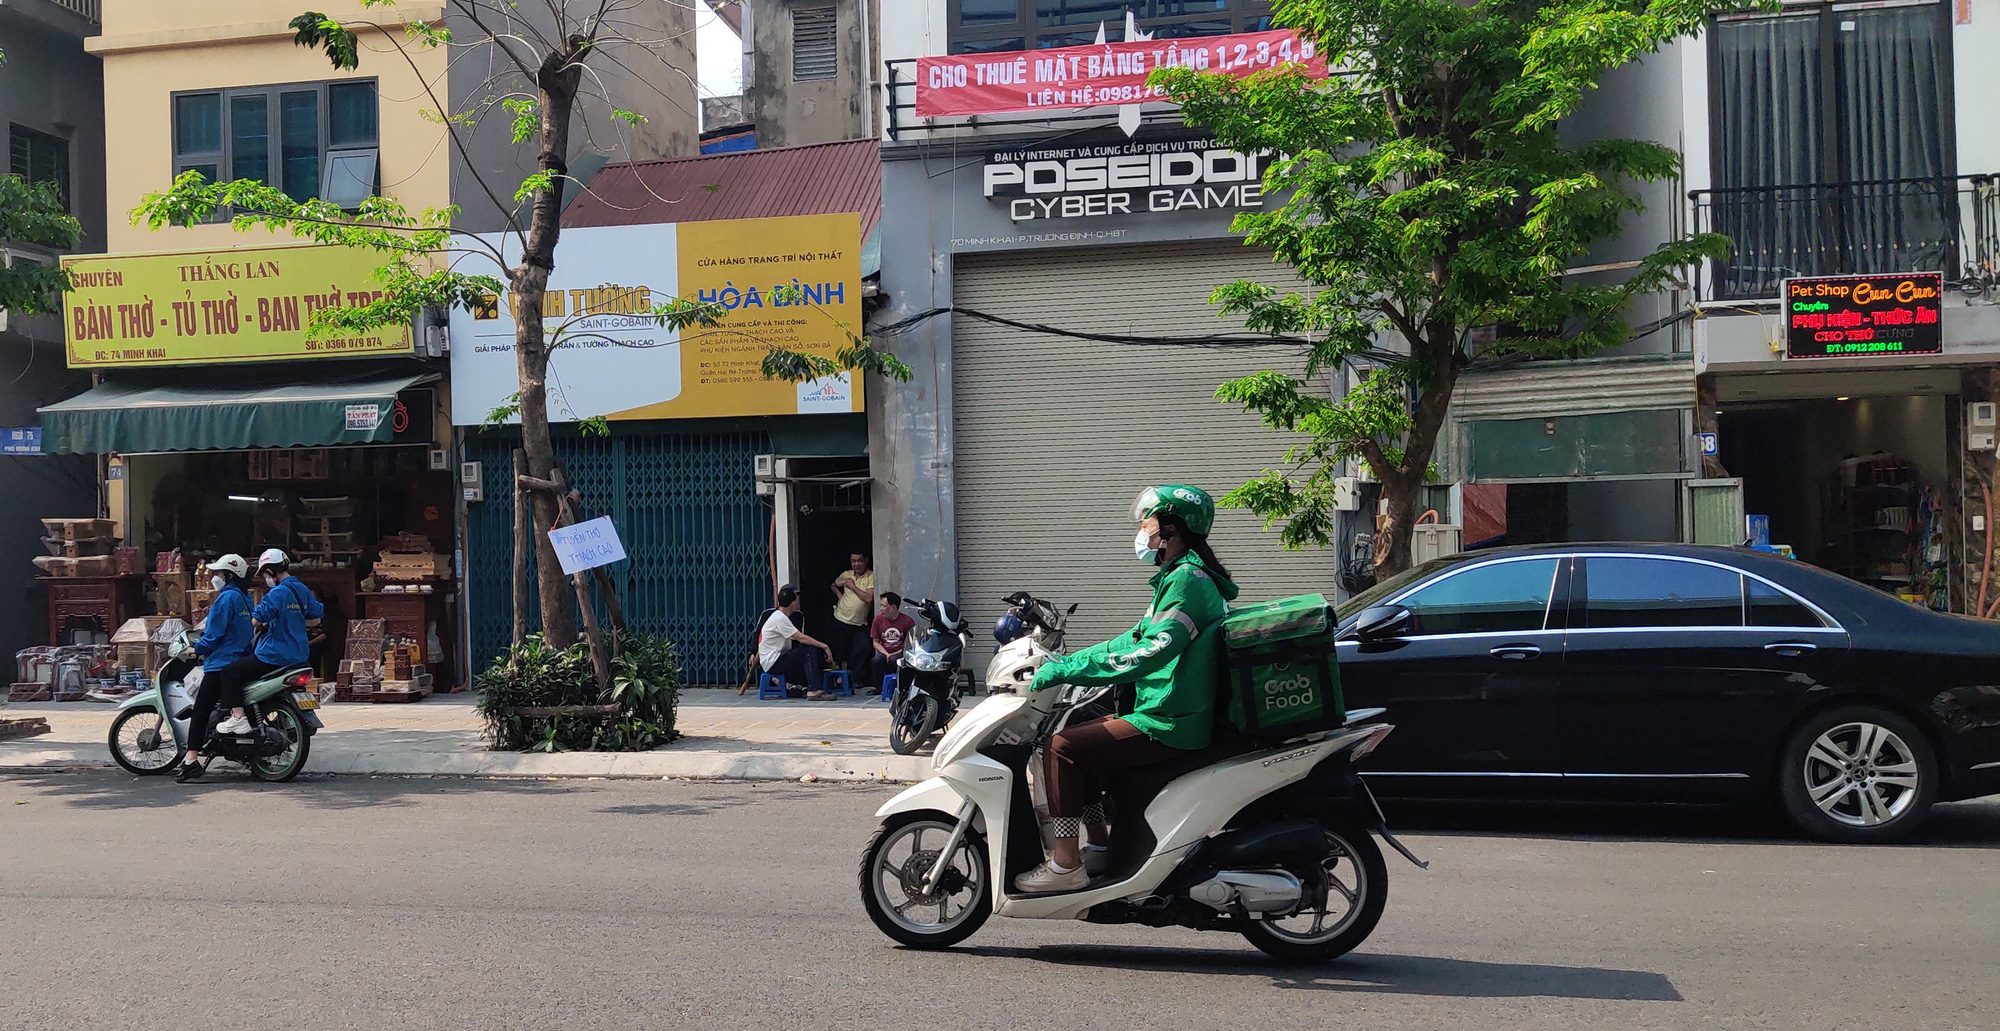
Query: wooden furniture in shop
[109,600]
[337,589]
[410,614]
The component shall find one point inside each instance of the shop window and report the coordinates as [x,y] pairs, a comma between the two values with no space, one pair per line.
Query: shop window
[991,26]
[815,44]
[39,158]
[1652,592]
[311,140]
[1645,443]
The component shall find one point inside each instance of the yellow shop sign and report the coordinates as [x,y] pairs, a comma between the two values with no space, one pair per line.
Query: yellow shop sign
[246,304]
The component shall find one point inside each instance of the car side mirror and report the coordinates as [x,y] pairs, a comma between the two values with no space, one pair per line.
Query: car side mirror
[1381,622]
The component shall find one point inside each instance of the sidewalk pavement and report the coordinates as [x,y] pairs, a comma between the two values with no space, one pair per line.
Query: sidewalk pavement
[724,737]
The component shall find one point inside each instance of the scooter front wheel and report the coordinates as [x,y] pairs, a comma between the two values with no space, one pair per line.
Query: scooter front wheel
[895,866]
[914,724]
[1357,889]
[142,743]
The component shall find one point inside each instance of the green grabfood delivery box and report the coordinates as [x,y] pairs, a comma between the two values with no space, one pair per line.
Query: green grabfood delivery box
[1283,679]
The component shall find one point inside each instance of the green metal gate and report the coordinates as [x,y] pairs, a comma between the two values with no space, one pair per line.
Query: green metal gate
[696,536]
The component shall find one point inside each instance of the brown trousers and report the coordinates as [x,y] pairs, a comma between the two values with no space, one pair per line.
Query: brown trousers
[1079,756]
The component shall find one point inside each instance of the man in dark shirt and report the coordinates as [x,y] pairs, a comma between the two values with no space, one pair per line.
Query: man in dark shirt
[889,632]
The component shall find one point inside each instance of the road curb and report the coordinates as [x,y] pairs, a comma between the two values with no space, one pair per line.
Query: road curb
[596,765]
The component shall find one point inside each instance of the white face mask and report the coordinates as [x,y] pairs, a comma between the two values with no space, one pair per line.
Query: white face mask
[218,582]
[270,581]
[1143,550]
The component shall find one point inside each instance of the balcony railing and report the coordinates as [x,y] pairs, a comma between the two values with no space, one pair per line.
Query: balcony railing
[1948,225]
[86,8]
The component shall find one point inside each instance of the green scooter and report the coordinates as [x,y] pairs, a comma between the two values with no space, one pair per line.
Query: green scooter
[150,735]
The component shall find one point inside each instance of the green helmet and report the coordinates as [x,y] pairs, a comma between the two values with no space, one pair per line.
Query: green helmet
[1191,505]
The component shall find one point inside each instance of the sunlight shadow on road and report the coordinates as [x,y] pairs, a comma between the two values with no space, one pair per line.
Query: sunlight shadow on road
[1372,973]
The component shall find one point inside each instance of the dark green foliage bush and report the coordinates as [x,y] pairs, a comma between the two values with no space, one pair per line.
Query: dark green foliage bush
[645,684]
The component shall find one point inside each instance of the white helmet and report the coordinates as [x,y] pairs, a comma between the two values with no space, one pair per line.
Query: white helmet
[232,564]
[272,557]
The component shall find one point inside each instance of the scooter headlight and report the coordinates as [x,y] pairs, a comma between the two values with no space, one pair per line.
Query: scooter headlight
[925,661]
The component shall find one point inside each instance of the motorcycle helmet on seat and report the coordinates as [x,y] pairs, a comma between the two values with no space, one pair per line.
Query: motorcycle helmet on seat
[1010,628]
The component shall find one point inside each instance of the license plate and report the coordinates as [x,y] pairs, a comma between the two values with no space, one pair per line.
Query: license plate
[306,699]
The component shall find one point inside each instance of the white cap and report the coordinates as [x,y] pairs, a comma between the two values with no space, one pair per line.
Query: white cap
[232,563]
[272,557]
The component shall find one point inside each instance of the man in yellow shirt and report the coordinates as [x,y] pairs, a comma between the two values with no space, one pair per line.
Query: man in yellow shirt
[854,602]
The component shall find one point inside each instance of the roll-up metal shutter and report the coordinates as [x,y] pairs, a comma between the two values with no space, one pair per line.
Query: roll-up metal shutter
[1054,436]
[1590,386]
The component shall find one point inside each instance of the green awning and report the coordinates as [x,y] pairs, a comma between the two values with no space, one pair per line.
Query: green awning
[124,417]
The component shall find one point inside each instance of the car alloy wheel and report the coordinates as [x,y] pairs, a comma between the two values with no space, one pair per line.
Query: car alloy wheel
[1861,774]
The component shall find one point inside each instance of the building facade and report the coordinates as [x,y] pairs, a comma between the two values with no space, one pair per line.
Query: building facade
[219,422]
[52,108]
[1827,141]
[1055,316]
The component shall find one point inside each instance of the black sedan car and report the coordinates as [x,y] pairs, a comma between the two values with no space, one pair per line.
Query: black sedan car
[1674,673]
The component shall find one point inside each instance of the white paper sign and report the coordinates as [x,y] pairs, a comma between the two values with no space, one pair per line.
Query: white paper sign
[364,418]
[587,545]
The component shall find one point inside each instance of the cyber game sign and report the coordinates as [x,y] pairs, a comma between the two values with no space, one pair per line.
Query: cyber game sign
[1082,183]
[1861,316]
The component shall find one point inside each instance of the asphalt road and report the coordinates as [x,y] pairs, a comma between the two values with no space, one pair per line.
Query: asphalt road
[390,903]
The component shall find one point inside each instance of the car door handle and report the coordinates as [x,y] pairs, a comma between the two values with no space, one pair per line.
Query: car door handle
[1515,651]
[1790,647]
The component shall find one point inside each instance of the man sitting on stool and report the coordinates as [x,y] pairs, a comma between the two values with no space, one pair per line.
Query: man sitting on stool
[778,652]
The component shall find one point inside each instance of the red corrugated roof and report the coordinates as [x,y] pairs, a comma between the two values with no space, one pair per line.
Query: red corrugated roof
[820,179]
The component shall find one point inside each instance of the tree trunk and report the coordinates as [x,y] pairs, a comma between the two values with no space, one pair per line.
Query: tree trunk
[1392,541]
[521,544]
[557,80]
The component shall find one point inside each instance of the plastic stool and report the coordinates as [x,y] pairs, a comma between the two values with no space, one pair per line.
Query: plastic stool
[889,687]
[770,685]
[840,676]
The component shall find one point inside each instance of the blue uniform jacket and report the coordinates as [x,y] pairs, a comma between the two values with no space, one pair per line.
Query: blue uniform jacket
[284,612]
[227,635]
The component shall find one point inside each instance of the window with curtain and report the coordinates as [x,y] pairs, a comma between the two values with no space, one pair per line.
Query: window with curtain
[311,140]
[1831,148]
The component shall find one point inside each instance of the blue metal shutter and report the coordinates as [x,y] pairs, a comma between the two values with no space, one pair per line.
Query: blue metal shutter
[696,535]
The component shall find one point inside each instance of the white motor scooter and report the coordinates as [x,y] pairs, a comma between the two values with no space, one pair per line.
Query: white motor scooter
[1270,839]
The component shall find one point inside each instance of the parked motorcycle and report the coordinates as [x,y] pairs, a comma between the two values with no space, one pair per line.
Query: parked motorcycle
[930,678]
[149,737]
[1268,839]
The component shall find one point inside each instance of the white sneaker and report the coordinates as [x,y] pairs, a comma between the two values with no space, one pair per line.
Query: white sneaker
[1046,878]
[234,725]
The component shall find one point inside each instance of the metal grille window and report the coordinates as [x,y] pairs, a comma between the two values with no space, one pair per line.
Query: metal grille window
[815,44]
[988,26]
[311,140]
[39,158]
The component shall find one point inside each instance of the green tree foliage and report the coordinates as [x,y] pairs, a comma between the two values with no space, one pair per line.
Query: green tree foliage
[34,215]
[1425,194]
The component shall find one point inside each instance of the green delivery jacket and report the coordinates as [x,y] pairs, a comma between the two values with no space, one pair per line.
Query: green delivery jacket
[1171,654]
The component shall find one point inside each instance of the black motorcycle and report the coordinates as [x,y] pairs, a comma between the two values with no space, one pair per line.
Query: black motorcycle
[930,678]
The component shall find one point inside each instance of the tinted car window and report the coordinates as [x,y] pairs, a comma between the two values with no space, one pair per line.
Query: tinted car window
[1651,592]
[1772,607]
[1484,599]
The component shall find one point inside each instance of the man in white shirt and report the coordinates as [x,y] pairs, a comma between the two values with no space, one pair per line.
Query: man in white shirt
[778,651]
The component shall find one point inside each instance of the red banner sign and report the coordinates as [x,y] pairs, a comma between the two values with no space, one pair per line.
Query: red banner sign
[1086,76]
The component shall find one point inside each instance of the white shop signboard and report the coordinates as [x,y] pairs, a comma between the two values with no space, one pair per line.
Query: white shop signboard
[587,545]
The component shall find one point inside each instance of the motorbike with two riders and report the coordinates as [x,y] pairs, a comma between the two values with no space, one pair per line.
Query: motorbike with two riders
[149,737]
